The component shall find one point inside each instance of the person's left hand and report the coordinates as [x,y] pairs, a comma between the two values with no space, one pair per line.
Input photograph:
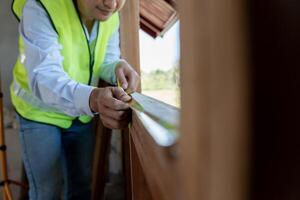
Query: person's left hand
[127,77]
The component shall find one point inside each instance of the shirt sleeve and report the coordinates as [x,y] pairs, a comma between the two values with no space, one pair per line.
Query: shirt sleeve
[43,62]
[112,58]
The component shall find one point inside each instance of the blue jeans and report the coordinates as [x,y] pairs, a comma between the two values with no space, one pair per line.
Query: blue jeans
[58,162]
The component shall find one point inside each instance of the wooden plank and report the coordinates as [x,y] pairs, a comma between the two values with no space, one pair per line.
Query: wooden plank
[214,96]
[157,16]
[143,186]
[129,30]
[164,114]
[100,165]
[159,119]
[149,28]
[156,12]
[129,33]
[173,3]
[157,163]
[127,158]
[140,189]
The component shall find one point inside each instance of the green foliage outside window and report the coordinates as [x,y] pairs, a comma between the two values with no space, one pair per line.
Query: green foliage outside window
[162,85]
[159,79]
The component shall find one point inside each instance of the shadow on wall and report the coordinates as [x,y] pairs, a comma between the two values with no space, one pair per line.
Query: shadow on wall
[8,47]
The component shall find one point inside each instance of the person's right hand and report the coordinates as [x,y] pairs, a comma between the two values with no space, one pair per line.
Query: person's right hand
[110,103]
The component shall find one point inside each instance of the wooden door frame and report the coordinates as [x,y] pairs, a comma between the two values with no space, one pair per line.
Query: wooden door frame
[215,122]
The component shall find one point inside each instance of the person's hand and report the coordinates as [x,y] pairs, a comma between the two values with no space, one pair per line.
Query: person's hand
[120,4]
[127,77]
[110,103]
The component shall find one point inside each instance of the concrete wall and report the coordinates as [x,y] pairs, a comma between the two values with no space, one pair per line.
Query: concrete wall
[8,46]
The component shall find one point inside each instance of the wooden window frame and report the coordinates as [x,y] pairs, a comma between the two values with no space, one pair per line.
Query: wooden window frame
[215,117]
[210,160]
[144,159]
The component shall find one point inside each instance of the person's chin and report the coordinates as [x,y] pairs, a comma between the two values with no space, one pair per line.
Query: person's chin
[103,17]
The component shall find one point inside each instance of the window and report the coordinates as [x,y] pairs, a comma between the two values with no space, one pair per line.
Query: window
[160,65]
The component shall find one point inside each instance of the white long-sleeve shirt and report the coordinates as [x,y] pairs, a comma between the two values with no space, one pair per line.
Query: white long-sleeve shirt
[43,62]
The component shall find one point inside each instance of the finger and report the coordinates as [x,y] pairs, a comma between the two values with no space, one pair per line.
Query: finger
[110,101]
[120,4]
[106,124]
[112,123]
[120,94]
[121,78]
[115,104]
[114,114]
[133,82]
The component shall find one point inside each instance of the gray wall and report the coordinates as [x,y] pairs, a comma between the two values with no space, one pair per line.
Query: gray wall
[8,46]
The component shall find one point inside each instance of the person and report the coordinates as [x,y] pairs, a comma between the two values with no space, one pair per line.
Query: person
[64,48]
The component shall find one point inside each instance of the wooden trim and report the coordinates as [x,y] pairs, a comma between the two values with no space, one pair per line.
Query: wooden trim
[127,158]
[157,16]
[101,156]
[158,118]
[151,175]
[150,172]
[149,28]
[157,164]
[129,29]
[129,33]
[140,188]
[158,110]
[214,96]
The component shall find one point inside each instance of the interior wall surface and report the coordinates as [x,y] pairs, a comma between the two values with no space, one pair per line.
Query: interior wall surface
[8,47]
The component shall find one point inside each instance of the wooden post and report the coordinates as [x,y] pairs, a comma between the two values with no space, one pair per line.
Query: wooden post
[129,32]
[100,165]
[214,95]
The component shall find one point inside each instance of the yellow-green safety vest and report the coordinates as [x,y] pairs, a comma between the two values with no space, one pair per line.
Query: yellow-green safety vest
[77,61]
